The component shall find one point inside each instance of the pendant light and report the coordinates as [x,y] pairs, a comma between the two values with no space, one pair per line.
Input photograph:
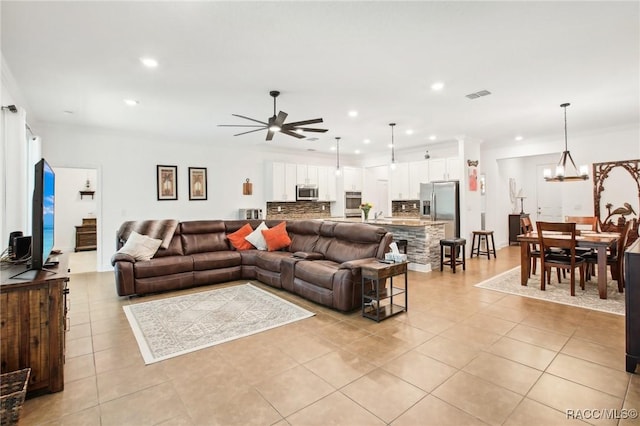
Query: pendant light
[393,152]
[562,174]
[338,172]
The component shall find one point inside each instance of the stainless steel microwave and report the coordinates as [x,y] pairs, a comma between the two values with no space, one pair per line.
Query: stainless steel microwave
[307,192]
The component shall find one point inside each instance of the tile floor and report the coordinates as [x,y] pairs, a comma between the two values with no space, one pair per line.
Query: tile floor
[460,356]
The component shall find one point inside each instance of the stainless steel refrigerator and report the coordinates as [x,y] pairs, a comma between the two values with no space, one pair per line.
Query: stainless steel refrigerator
[440,201]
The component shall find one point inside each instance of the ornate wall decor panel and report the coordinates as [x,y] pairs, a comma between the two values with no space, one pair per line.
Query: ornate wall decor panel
[614,214]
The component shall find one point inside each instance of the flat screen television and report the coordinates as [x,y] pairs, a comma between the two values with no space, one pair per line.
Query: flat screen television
[42,219]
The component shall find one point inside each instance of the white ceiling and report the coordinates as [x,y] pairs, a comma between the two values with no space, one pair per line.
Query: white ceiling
[379,58]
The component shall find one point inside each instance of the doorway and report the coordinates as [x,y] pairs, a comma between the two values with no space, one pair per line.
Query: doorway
[76,217]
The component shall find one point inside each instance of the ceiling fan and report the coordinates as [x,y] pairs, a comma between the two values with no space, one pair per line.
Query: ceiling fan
[276,123]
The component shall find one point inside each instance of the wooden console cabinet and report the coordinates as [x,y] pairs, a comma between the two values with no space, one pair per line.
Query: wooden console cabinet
[86,235]
[514,227]
[32,325]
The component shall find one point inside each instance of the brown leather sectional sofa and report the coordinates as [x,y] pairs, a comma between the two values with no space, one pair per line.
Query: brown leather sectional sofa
[322,264]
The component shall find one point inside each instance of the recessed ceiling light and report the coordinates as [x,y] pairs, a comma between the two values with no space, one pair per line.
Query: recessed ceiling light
[333,148]
[432,137]
[390,146]
[409,131]
[438,85]
[69,112]
[149,62]
[519,138]
[367,141]
[353,113]
[131,102]
[357,151]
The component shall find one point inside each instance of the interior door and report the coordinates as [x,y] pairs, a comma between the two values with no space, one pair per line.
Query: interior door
[548,197]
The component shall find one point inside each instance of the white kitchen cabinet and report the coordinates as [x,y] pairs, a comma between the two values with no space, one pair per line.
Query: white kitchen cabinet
[326,184]
[454,168]
[399,182]
[418,173]
[283,182]
[353,178]
[445,169]
[306,174]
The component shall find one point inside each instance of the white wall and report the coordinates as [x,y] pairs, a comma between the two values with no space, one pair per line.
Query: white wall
[126,176]
[70,207]
[519,160]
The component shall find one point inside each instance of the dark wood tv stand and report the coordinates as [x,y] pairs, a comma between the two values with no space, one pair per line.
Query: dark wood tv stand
[32,325]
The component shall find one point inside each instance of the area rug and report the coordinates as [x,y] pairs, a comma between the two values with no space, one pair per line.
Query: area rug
[509,282]
[178,325]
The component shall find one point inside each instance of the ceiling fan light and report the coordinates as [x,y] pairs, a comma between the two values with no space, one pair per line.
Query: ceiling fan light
[274,129]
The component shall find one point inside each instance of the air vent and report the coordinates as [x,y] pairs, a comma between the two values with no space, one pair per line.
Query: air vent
[311,139]
[311,150]
[476,95]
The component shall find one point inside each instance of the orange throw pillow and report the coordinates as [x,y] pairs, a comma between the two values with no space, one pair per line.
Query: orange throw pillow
[237,238]
[277,237]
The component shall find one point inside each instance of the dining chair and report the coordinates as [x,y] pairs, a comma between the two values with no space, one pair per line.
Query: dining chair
[615,259]
[563,236]
[590,222]
[534,253]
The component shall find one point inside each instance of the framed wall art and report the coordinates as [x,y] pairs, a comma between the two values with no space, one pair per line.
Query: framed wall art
[167,182]
[197,183]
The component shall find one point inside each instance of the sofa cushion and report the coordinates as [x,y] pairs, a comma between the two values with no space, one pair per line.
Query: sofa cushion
[277,237]
[238,240]
[163,266]
[317,272]
[270,260]
[140,247]
[304,235]
[256,238]
[215,260]
[204,236]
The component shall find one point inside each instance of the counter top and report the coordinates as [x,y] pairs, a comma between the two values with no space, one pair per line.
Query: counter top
[387,221]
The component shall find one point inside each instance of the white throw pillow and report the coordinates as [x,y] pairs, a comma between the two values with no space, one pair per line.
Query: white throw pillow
[140,247]
[256,238]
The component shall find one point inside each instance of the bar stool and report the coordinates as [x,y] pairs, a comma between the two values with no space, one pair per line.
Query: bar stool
[402,245]
[454,245]
[483,235]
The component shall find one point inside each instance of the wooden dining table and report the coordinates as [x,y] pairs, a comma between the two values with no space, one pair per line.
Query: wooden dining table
[599,241]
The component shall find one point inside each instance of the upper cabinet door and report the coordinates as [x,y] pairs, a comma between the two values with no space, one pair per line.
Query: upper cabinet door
[352,178]
[399,178]
[418,173]
[454,168]
[437,169]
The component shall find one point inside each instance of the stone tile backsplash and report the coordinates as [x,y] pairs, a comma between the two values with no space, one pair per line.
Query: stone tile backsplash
[298,210]
[411,208]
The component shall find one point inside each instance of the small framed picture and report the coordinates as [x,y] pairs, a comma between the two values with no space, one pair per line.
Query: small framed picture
[197,183]
[167,182]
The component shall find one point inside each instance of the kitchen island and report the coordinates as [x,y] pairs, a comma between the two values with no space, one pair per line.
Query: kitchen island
[423,238]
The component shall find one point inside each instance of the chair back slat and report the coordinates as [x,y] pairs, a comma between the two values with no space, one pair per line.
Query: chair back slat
[566,239]
[591,222]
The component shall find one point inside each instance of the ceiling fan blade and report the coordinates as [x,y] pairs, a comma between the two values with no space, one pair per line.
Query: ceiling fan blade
[304,122]
[241,125]
[279,121]
[250,131]
[309,129]
[292,133]
[250,119]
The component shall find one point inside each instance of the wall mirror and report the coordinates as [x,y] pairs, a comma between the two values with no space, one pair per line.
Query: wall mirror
[621,202]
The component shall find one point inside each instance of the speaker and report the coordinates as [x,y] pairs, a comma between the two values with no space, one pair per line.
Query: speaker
[11,247]
[21,247]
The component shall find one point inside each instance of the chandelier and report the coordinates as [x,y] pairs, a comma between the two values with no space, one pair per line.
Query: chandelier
[562,174]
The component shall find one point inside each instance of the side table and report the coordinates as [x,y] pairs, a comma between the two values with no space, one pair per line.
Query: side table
[374,275]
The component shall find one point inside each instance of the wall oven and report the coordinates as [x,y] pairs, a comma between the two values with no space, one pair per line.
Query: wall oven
[352,201]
